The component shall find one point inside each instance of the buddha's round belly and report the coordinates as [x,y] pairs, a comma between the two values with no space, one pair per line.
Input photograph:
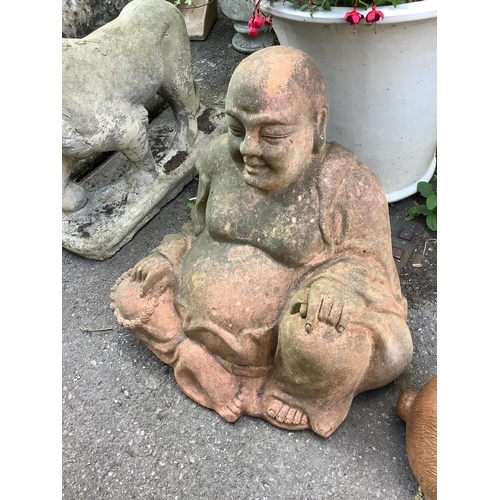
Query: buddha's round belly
[231,297]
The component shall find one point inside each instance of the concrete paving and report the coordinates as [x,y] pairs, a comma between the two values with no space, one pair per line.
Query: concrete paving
[130,433]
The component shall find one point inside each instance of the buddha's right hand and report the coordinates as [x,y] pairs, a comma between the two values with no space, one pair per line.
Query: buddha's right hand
[151,270]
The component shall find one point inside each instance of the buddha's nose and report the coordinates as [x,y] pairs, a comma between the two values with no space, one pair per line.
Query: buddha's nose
[250,145]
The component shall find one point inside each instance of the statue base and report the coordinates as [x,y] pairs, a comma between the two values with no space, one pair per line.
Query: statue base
[115,209]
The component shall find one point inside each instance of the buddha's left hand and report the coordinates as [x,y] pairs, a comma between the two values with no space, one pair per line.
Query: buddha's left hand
[328,302]
[151,270]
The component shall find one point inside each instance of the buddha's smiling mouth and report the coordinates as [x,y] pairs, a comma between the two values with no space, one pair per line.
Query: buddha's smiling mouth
[254,167]
[254,170]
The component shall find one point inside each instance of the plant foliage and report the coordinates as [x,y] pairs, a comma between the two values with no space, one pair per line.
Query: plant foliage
[326,5]
[429,209]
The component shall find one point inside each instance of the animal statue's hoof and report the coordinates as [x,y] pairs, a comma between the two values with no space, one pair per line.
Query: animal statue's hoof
[137,179]
[74,197]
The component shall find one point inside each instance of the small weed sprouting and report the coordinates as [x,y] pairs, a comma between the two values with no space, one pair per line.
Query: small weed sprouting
[429,209]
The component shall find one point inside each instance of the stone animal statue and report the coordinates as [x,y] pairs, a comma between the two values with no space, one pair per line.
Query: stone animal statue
[280,299]
[109,76]
[419,411]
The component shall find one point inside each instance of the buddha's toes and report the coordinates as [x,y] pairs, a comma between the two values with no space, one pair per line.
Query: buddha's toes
[286,414]
[232,410]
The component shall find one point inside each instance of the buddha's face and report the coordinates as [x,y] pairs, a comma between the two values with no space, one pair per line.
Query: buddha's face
[270,139]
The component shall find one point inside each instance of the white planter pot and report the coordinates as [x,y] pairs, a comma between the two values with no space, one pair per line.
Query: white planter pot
[382,88]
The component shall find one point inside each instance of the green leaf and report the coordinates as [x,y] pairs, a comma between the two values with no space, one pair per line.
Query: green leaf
[424,188]
[431,221]
[431,202]
[303,6]
[418,210]
[189,204]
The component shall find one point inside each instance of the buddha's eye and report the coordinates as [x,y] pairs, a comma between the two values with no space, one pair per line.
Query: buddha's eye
[234,126]
[275,133]
[236,131]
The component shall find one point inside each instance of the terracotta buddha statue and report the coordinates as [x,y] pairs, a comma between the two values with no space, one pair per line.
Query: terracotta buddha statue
[280,299]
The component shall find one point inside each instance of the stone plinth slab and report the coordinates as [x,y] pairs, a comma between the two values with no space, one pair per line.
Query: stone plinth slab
[117,209]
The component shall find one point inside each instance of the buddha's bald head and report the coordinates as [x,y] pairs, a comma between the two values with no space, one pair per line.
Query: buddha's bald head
[277,113]
[278,73]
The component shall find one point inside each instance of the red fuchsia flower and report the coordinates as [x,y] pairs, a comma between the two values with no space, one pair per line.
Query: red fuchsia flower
[353,18]
[258,22]
[252,30]
[374,16]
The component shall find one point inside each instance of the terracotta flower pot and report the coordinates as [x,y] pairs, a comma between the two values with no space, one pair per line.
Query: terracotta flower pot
[381,86]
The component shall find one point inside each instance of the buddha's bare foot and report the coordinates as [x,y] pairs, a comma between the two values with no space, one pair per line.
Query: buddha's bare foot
[202,378]
[232,410]
[286,414]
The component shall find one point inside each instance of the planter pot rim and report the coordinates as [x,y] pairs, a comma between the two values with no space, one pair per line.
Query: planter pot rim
[407,12]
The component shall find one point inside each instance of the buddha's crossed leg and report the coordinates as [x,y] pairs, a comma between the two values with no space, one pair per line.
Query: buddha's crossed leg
[318,373]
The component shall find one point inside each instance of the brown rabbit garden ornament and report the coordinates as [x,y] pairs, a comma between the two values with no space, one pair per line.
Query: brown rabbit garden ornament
[419,411]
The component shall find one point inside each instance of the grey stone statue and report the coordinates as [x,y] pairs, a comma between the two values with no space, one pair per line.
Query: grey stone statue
[109,76]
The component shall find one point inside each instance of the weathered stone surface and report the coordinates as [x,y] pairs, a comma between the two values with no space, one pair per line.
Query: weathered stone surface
[419,411]
[108,79]
[281,298]
[81,17]
[116,209]
[83,166]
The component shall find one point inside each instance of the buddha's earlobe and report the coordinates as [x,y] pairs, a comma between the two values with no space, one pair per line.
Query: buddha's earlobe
[321,120]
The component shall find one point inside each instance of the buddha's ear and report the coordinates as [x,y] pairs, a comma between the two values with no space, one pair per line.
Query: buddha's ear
[320,123]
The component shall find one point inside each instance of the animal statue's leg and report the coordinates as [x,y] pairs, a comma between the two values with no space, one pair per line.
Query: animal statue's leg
[74,196]
[134,144]
[178,86]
